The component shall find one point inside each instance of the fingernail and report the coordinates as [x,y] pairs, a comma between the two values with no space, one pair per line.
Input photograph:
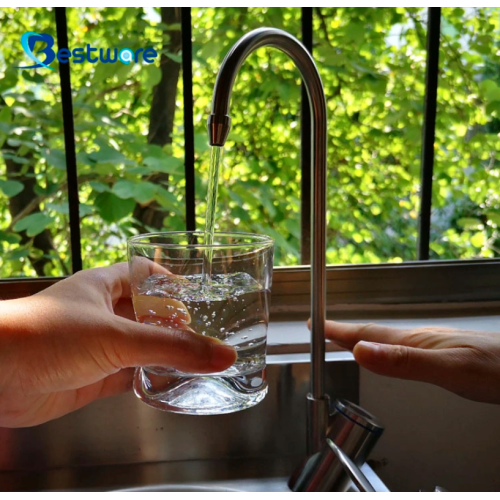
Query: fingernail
[223,356]
[375,348]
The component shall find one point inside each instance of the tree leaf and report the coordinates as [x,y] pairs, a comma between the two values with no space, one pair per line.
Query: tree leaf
[201,142]
[15,158]
[63,208]
[153,75]
[166,199]
[49,189]
[11,188]
[490,90]
[9,237]
[99,187]
[33,224]
[111,208]
[109,155]
[469,223]
[124,189]
[175,57]
[142,192]
[56,158]
[166,164]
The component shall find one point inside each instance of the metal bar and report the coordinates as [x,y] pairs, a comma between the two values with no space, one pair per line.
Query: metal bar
[305,147]
[187,83]
[428,131]
[69,142]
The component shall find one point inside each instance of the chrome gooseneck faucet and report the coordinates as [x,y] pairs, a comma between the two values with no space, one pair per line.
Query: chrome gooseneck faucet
[219,124]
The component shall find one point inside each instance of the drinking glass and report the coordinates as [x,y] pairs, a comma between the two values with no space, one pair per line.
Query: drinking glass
[221,290]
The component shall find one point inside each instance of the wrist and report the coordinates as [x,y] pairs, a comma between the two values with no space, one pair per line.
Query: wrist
[13,316]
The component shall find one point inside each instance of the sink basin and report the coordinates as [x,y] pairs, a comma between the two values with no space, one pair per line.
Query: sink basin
[278,484]
[180,488]
[274,484]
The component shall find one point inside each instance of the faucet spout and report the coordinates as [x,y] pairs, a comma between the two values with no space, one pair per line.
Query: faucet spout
[219,124]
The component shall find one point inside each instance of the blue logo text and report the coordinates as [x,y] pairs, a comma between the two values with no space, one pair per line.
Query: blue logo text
[81,54]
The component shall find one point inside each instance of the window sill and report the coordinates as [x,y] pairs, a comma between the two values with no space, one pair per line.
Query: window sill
[288,341]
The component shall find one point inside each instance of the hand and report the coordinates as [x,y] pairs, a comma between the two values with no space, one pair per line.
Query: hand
[464,362]
[77,341]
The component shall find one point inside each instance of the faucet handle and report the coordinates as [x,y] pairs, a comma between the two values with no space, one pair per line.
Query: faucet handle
[354,429]
[353,471]
[352,434]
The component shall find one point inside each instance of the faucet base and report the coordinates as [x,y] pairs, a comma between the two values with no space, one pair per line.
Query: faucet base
[317,422]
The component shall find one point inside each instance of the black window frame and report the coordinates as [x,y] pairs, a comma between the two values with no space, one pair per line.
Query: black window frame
[421,281]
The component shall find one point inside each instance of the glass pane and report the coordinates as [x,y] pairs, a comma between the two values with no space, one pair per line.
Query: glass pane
[34,233]
[259,189]
[128,122]
[372,62]
[466,203]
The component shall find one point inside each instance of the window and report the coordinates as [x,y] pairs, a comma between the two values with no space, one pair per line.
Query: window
[138,134]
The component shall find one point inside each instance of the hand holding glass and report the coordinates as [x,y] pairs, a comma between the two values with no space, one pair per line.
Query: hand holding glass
[220,290]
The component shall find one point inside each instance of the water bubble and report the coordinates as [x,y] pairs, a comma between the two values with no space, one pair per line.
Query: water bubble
[251,343]
[244,337]
[214,314]
[204,317]
[250,329]
[208,323]
[203,332]
[151,312]
[222,329]
[169,307]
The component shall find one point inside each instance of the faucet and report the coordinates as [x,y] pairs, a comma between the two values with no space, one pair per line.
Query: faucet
[219,123]
[327,467]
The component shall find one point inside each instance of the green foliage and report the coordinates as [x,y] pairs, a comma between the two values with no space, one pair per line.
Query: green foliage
[11,188]
[33,224]
[372,62]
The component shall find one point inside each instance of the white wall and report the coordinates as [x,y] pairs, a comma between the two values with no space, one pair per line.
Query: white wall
[432,437]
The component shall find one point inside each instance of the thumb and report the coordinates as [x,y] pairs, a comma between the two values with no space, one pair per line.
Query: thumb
[136,344]
[411,363]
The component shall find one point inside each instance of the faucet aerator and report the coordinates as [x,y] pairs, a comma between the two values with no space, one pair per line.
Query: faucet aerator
[218,129]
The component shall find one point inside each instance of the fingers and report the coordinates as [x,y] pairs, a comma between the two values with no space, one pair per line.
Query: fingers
[136,344]
[426,365]
[115,279]
[141,268]
[347,335]
[117,383]
[125,309]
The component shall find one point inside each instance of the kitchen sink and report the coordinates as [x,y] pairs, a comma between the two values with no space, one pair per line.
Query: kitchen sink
[276,484]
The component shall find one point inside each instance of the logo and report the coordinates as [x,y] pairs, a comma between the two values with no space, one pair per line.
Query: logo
[79,55]
[28,41]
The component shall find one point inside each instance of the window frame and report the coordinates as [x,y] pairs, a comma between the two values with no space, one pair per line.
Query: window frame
[382,284]
[365,285]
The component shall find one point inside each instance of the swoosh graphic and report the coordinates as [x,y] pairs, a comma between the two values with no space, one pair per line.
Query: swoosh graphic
[25,46]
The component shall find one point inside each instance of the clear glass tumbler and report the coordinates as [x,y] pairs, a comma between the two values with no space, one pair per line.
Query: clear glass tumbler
[172,286]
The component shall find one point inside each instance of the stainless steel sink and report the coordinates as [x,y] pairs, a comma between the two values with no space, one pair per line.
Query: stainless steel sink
[277,484]
[121,443]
